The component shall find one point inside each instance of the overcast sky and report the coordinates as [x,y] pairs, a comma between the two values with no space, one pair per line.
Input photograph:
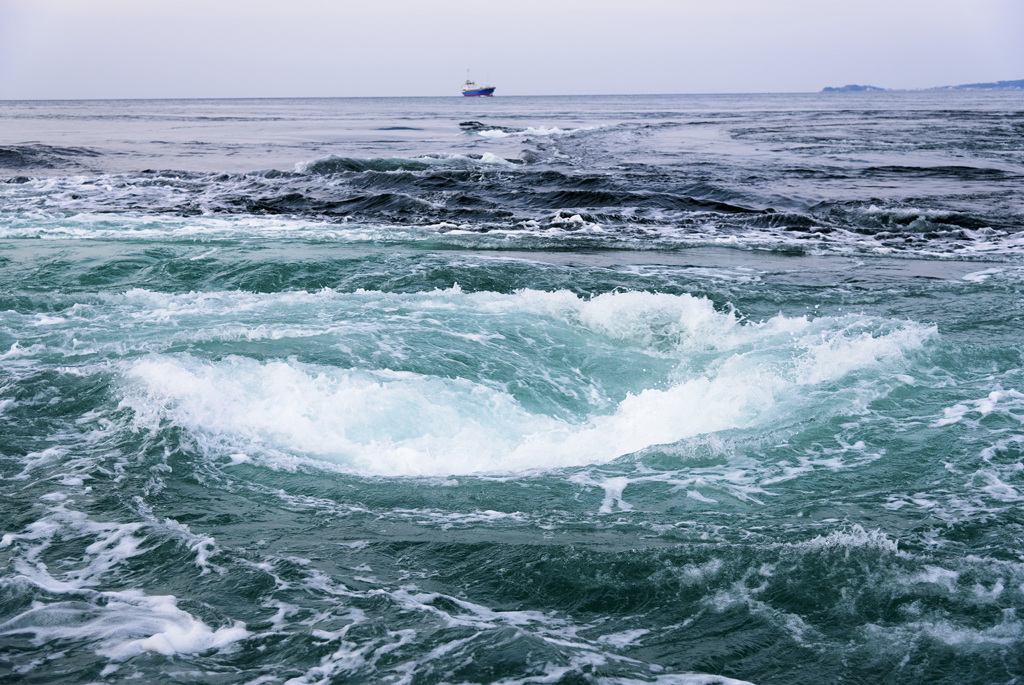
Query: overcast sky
[294,48]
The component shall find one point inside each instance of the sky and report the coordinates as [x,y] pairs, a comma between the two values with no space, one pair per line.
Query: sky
[57,49]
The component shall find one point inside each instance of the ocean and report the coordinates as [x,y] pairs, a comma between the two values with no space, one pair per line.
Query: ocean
[585,390]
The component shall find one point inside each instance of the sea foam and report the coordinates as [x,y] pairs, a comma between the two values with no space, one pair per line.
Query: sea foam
[119,623]
[380,421]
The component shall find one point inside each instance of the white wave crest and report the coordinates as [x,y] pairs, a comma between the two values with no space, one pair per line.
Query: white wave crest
[394,423]
[530,131]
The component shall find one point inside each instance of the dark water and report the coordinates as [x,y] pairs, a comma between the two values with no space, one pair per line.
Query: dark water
[618,390]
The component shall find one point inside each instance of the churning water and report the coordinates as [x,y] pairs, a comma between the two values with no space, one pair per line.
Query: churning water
[618,390]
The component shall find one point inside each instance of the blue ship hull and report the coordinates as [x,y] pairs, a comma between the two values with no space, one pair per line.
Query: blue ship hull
[478,91]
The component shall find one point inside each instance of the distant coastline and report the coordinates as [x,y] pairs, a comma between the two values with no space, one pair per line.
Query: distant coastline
[994,85]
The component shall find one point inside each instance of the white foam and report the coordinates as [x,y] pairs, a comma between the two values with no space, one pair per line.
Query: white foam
[675,679]
[494,160]
[613,488]
[440,160]
[203,546]
[239,458]
[399,423]
[935,575]
[94,224]
[409,424]
[34,460]
[625,638]
[1007,632]
[447,520]
[1006,400]
[173,631]
[855,537]
[121,624]
[470,614]
[16,351]
[982,276]
[989,595]
[88,226]
[208,253]
[996,488]
[692,574]
[529,131]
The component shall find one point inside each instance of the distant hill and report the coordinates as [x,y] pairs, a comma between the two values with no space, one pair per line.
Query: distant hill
[994,85]
[852,88]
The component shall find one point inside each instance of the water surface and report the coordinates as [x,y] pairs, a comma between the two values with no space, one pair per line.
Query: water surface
[663,389]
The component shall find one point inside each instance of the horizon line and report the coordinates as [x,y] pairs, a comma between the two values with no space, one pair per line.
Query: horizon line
[880,91]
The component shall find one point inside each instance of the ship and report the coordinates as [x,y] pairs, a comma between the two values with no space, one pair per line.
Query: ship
[470,89]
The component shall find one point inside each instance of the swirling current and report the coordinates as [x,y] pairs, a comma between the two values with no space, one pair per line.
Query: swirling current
[607,390]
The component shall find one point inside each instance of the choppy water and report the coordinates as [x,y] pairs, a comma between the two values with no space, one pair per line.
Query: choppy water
[520,390]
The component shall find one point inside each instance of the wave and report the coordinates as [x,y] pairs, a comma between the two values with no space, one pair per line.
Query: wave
[335,165]
[472,223]
[118,624]
[954,172]
[529,131]
[709,372]
[39,156]
[509,202]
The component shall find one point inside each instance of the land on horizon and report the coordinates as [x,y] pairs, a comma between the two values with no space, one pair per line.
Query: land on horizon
[992,85]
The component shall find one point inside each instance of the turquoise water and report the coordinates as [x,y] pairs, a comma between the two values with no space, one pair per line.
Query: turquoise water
[568,395]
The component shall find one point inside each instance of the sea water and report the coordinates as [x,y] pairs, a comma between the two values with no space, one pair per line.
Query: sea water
[619,390]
